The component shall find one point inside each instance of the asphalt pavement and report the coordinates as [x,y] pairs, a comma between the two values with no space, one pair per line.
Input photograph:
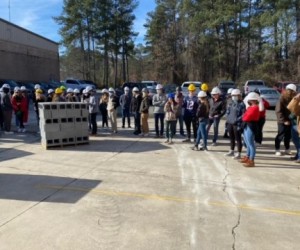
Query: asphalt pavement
[129,192]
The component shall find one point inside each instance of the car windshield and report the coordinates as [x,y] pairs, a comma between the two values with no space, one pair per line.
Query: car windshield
[255,83]
[268,92]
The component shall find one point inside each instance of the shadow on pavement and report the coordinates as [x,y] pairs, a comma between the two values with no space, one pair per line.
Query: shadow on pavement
[12,153]
[124,146]
[42,188]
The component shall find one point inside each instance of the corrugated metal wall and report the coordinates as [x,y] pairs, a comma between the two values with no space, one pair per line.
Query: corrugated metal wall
[15,34]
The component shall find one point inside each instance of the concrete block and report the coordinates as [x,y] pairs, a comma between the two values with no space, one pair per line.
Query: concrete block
[84,113]
[67,123]
[50,125]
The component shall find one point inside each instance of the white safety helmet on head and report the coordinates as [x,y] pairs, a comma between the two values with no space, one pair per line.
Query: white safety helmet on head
[88,89]
[50,91]
[158,86]
[5,85]
[84,91]
[135,89]
[111,90]
[69,90]
[126,89]
[252,96]
[235,92]
[16,89]
[291,86]
[76,91]
[104,91]
[23,88]
[37,86]
[216,91]
[202,94]
[229,91]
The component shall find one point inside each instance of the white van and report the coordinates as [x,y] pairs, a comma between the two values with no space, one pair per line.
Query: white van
[185,85]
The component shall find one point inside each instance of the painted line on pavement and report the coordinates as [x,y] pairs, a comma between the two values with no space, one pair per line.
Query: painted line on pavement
[168,198]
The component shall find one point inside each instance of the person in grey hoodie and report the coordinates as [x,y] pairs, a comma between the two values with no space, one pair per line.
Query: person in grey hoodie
[7,108]
[159,101]
[93,109]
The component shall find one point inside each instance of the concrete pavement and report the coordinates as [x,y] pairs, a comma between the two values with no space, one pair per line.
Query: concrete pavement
[128,192]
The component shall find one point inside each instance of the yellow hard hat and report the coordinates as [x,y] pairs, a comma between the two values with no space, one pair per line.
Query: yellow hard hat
[204,87]
[39,91]
[58,91]
[191,87]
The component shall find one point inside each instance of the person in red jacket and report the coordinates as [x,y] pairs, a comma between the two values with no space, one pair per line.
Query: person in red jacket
[250,120]
[263,106]
[19,106]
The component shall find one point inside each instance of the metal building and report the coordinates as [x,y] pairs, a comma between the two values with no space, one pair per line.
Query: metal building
[26,56]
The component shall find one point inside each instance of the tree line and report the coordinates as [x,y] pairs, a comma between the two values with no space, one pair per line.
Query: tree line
[206,40]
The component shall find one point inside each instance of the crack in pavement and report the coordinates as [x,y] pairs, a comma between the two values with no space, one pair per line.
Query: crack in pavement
[235,227]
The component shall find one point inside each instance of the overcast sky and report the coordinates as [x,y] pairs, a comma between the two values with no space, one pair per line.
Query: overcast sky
[36,16]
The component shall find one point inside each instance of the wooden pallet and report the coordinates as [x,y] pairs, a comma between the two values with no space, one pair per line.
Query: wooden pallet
[53,146]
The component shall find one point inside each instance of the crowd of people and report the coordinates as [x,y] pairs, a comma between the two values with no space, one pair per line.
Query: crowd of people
[200,111]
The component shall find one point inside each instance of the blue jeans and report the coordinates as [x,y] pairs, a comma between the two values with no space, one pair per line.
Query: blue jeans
[159,117]
[214,121]
[125,114]
[180,120]
[170,129]
[296,140]
[202,133]
[250,143]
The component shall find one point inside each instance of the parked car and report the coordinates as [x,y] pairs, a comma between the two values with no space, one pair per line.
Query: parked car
[225,85]
[90,83]
[251,85]
[76,84]
[185,85]
[150,84]
[271,95]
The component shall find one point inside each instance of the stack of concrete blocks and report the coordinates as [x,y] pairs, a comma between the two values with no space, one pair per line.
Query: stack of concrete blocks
[63,123]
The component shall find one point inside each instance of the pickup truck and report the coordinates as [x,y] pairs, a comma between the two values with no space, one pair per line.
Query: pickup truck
[251,85]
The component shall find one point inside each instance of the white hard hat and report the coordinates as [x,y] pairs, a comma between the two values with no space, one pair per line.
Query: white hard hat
[50,91]
[215,91]
[135,89]
[88,89]
[202,94]
[291,86]
[235,92]
[229,90]
[104,91]
[69,90]
[76,91]
[37,86]
[5,85]
[158,86]
[252,96]
[126,89]
[16,89]
[84,91]
[23,88]
[111,90]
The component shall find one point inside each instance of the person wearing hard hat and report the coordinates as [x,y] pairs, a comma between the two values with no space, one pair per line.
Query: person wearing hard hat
[283,119]
[234,113]
[144,110]
[190,105]
[70,95]
[228,102]
[202,117]
[250,120]
[136,101]
[171,111]
[204,87]
[159,100]
[57,97]
[26,111]
[64,92]
[112,105]
[125,101]
[39,97]
[19,104]
[50,95]
[76,96]
[7,108]
[179,97]
[93,109]
[103,107]
[217,109]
